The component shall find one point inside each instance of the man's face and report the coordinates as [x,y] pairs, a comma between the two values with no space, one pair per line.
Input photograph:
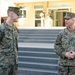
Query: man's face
[69,22]
[14,16]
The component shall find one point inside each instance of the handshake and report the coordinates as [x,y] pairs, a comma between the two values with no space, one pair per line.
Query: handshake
[70,54]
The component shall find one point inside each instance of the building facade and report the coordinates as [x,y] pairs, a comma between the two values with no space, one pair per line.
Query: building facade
[45,14]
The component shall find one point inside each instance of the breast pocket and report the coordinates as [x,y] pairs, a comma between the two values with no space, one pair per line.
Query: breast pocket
[72,41]
[7,40]
[65,42]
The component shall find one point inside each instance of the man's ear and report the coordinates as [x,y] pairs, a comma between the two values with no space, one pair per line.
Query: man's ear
[74,21]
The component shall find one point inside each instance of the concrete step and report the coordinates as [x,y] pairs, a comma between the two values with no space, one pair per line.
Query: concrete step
[36,65]
[40,34]
[36,46]
[35,37]
[31,71]
[37,54]
[39,31]
[38,59]
[36,41]
[39,49]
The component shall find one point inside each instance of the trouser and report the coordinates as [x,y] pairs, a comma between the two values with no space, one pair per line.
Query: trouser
[66,70]
[11,70]
[4,71]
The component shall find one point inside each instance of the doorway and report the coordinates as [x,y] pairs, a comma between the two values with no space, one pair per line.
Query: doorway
[58,16]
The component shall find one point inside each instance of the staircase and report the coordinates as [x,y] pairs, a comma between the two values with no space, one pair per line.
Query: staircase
[38,36]
[36,52]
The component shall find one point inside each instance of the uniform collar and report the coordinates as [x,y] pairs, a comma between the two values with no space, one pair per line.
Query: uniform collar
[8,26]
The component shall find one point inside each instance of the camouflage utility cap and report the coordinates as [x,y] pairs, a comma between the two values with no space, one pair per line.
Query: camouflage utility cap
[69,15]
[16,10]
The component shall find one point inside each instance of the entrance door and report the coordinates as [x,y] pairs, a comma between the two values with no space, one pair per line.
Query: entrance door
[38,17]
[58,17]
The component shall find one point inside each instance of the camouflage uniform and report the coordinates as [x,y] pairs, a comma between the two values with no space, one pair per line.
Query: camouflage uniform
[8,49]
[65,42]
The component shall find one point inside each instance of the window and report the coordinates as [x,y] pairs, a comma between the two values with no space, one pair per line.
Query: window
[38,10]
[23,12]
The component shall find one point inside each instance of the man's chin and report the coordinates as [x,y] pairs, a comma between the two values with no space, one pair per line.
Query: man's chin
[66,25]
[16,21]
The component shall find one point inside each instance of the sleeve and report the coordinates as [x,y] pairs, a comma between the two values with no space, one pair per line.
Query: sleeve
[59,50]
[17,37]
[1,32]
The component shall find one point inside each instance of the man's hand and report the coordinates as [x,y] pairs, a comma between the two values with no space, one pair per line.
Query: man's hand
[70,55]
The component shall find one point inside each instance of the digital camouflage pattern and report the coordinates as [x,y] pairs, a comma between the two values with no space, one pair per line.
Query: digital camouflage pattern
[69,15]
[63,70]
[8,47]
[65,42]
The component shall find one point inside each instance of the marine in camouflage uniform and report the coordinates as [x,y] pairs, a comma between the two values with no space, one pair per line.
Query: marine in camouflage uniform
[9,44]
[65,46]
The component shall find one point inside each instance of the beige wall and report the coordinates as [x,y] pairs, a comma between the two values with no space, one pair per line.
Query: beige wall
[30,14]
[72,2]
[29,21]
